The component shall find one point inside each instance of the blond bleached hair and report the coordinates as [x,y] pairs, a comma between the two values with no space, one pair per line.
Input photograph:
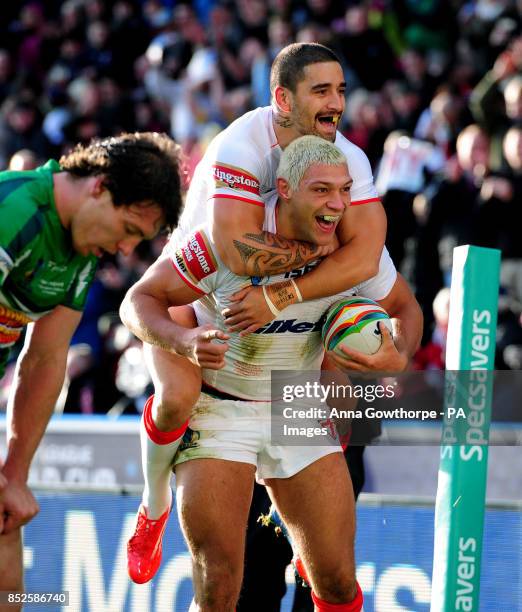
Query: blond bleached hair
[302,152]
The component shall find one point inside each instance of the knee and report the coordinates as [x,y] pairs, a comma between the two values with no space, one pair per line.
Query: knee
[218,584]
[173,404]
[338,586]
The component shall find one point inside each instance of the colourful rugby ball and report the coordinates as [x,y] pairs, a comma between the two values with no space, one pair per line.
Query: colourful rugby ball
[354,323]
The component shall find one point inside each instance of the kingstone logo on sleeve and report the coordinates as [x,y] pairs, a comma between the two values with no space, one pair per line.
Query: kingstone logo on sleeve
[197,256]
[235,178]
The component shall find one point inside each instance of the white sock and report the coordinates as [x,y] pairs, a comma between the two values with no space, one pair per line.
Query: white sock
[157,453]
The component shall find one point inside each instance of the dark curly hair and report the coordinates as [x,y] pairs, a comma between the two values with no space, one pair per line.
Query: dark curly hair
[144,167]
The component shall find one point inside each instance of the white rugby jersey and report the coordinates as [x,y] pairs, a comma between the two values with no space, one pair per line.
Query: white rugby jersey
[292,341]
[241,163]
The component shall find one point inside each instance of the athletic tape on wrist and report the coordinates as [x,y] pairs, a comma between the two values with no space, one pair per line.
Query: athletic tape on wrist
[296,289]
[273,308]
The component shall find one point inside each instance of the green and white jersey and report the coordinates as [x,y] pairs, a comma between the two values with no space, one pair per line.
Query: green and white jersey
[39,268]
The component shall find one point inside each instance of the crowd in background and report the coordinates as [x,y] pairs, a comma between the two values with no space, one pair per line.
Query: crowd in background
[434,98]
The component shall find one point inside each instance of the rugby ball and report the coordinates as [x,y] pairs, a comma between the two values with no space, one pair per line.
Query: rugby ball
[354,323]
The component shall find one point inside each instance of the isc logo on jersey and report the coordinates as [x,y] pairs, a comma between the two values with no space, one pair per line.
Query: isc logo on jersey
[292,326]
[235,178]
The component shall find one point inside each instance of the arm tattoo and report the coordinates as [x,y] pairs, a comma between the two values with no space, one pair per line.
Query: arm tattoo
[265,254]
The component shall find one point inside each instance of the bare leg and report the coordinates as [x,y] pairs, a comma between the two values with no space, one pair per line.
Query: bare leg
[213,497]
[11,566]
[177,381]
[177,385]
[317,506]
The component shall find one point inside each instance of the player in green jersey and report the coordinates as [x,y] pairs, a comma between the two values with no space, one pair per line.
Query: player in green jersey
[55,222]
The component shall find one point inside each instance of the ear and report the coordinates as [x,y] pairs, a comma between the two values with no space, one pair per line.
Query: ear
[283,188]
[283,99]
[97,186]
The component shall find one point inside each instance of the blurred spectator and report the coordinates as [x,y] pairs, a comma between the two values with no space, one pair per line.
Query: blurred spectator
[24,160]
[20,128]
[477,21]
[6,74]
[406,105]
[115,111]
[279,35]
[365,49]
[428,25]
[370,119]
[441,122]
[98,52]
[415,73]
[30,28]
[130,38]
[95,10]
[156,14]
[322,12]
[252,17]
[505,193]
[404,168]
[496,102]
[432,355]
[445,214]
[313,32]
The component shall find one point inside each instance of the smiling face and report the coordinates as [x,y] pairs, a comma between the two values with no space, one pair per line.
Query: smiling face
[99,226]
[313,210]
[318,102]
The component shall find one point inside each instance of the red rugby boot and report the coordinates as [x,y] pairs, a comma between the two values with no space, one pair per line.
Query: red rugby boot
[144,547]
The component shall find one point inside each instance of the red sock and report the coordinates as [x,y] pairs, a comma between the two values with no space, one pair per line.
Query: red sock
[156,435]
[352,606]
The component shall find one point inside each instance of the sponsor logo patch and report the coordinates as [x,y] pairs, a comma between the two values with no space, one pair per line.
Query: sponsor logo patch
[235,178]
[292,326]
[197,257]
[190,439]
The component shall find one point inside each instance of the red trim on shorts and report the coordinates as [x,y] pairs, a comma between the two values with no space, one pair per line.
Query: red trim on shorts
[185,279]
[234,197]
[359,202]
[353,606]
[157,436]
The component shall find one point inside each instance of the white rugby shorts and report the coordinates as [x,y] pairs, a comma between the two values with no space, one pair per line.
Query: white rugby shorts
[238,430]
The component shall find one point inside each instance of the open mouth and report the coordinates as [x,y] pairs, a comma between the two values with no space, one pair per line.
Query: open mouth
[329,120]
[327,222]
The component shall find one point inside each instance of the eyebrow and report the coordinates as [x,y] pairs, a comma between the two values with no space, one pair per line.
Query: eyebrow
[320,182]
[136,229]
[323,85]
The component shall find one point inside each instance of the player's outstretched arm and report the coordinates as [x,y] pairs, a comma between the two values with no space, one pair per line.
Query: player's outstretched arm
[39,376]
[247,250]
[395,352]
[145,312]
